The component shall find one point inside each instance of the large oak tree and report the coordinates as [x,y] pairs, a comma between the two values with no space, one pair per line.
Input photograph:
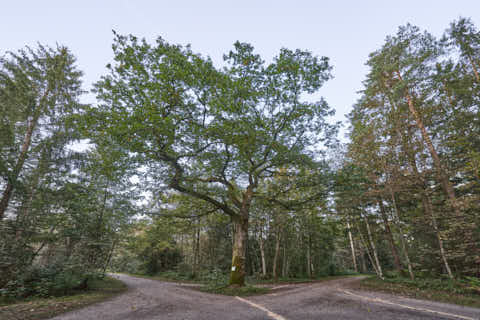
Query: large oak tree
[213,133]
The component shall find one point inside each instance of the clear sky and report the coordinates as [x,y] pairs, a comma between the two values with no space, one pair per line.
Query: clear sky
[345,31]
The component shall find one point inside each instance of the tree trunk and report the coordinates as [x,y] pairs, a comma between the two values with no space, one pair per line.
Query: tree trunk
[284,260]
[475,71]
[364,263]
[262,254]
[389,233]
[276,255]
[110,254]
[402,239]
[427,205]
[374,249]
[237,274]
[196,248]
[441,172]
[365,247]
[7,193]
[309,258]
[352,246]
[21,219]
[428,210]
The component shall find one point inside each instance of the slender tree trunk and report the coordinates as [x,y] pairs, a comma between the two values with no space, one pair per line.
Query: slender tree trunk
[364,263]
[402,239]
[309,261]
[352,246]
[27,140]
[196,248]
[374,249]
[22,217]
[366,248]
[110,254]
[277,254]
[427,205]
[389,233]
[441,172]
[284,260]
[474,67]
[428,210]
[262,254]
[240,236]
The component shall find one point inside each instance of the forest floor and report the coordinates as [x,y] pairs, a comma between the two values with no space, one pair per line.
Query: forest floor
[334,299]
[44,308]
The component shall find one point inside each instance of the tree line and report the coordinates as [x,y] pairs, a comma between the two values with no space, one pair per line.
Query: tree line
[413,160]
[197,168]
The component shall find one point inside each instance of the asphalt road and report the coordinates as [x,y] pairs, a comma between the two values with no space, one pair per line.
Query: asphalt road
[150,299]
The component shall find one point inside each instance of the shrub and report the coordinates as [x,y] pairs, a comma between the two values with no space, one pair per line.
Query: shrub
[45,281]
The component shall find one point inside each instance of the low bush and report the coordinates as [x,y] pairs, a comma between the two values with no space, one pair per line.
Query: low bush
[41,281]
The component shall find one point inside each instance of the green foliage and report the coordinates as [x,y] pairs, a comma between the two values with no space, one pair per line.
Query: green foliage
[412,161]
[212,134]
[53,280]
[59,213]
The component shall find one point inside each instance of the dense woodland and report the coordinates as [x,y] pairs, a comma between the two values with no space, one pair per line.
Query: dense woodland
[190,170]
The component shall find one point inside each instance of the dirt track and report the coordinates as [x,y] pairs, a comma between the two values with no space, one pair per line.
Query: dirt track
[150,299]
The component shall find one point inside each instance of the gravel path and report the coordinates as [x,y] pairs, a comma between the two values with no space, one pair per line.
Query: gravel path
[150,299]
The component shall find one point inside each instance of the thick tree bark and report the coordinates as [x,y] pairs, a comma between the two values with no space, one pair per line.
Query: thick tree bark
[389,233]
[352,246]
[237,274]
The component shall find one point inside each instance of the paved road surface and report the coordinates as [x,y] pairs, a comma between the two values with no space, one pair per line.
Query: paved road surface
[150,299]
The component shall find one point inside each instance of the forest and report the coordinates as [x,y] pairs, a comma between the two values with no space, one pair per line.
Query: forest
[189,170]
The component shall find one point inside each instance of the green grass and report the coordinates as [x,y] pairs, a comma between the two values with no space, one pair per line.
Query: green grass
[209,287]
[234,291]
[441,290]
[43,308]
[254,286]
[280,281]
[162,277]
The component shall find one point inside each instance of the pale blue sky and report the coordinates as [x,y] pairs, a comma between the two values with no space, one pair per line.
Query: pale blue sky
[345,31]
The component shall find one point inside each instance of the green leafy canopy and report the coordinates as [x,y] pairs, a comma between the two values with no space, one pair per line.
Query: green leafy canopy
[199,127]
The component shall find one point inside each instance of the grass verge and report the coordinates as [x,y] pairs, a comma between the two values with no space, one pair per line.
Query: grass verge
[282,281]
[254,286]
[43,308]
[234,291]
[161,277]
[209,287]
[419,290]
